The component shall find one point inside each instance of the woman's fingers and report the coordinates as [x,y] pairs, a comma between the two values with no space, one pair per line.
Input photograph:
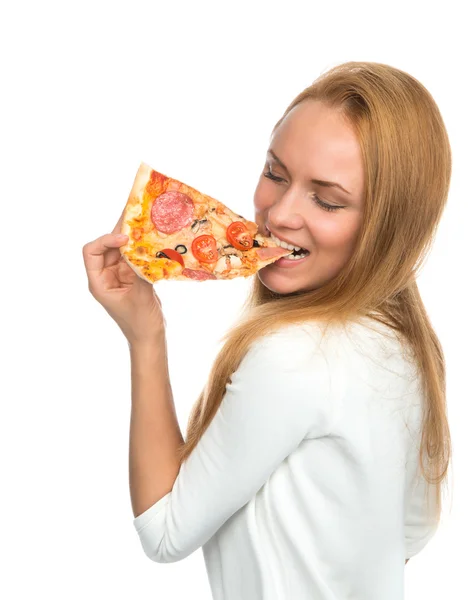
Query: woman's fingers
[94,254]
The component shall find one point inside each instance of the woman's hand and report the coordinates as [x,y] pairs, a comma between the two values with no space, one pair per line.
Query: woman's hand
[130,300]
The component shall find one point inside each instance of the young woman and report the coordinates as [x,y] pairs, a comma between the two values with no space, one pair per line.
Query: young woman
[315,456]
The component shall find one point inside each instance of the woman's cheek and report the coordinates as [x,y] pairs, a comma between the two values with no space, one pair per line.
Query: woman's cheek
[263,197]
[323,230]
[334,234]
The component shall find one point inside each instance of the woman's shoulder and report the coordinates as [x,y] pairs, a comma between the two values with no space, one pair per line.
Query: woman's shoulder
[361,327]
[364,335]
[300,343]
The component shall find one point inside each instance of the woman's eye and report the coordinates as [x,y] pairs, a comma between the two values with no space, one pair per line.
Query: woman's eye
[269,175]
[328,207]
[319,202]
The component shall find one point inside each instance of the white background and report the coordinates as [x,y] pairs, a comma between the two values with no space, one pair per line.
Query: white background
[91,89]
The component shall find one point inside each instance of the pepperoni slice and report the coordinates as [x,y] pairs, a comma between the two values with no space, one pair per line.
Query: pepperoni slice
[198,274]
[266,253]
[172,211]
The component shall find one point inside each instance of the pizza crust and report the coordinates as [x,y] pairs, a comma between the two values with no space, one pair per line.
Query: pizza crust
[140,273]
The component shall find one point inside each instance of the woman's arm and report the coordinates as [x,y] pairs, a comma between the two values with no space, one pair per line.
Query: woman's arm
[154,430]
[279,395]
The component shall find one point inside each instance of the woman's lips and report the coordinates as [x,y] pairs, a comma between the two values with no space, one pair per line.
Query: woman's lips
[287,263]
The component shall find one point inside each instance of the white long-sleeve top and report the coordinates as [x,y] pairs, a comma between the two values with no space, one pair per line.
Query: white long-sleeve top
[306,483]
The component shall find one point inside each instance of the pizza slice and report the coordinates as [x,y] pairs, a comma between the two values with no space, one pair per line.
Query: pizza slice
[176,232]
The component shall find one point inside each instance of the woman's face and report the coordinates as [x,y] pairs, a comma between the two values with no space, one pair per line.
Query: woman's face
[313,142]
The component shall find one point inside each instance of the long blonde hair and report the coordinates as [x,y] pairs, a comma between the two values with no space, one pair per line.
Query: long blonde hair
[407,164]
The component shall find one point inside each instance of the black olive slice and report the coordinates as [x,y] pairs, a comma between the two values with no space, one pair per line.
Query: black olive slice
[181,249]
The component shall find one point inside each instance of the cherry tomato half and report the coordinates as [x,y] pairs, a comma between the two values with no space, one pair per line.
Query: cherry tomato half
[238,235]
[204,248]
[173,255]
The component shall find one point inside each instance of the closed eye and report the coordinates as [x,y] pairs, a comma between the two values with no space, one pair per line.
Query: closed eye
[319,202]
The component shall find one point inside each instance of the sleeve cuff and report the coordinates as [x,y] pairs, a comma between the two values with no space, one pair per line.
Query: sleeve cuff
[415,546]
[144,519]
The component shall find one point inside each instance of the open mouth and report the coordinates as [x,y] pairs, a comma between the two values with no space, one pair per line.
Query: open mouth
[301,252]
[295,256]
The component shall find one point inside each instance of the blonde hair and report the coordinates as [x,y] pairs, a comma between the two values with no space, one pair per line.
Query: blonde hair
[407,166]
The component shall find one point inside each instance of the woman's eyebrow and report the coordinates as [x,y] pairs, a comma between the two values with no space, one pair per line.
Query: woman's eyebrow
[318,181]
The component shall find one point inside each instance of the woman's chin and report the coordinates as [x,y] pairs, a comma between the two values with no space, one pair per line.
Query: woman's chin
[277,284]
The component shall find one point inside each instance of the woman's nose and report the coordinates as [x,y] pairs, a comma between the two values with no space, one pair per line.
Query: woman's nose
[287,211]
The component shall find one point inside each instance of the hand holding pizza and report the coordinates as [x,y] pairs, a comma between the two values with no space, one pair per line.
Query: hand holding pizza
[129,300]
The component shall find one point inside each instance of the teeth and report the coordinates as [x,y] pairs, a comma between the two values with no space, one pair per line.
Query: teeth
[284,244]
[291,257]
